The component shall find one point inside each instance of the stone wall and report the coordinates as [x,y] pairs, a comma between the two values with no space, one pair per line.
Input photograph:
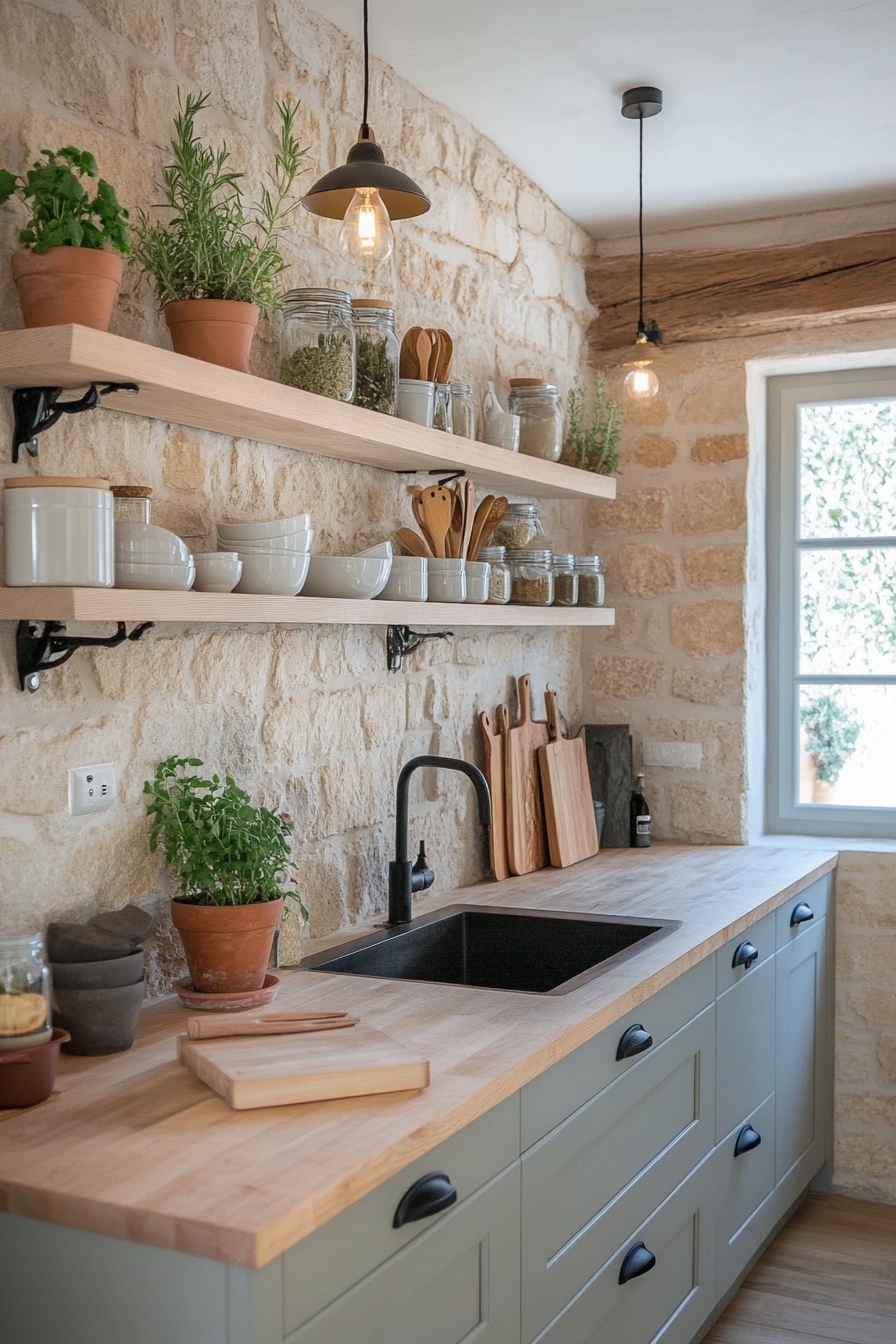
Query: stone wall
[306,718]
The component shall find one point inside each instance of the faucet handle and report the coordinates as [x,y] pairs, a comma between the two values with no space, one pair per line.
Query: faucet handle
[422,876]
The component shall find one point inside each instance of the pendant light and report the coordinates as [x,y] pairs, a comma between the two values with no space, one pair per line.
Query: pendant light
[641,382]
[366,194]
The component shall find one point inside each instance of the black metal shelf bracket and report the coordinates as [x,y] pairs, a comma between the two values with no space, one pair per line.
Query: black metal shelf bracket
[38,408]
[41,645]
[402,640]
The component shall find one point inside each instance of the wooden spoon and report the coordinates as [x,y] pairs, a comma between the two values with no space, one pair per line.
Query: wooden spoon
[491,521]
[424,354]
[408,366]
[438,508]
[469,512]
[417,509]
[455,532]
[446,352]
[478,522]
[413,542]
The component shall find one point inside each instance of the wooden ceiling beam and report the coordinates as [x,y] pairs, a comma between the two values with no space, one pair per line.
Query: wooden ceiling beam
[707,296]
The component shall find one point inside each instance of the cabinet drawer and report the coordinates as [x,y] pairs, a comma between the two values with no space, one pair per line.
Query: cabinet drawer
[567,1085]
[607,1166]
[672,1299]
[816,897]
[745,1046]
[762,937]
[326,1263]
[744,1184]
[457,1282]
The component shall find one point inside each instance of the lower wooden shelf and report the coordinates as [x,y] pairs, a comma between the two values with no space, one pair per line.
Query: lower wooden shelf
[123,604]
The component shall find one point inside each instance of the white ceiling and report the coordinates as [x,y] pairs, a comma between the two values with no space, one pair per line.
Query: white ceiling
[771,106]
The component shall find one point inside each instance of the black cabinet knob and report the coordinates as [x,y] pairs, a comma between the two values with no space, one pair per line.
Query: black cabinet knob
[746,1141]
[746,955]
[632,1041]
[801,914]
[638,1260]
[431,1194]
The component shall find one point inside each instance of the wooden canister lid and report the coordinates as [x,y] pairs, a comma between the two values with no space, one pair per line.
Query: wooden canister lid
[132,491]
[373,303]
[84,482]
[530,382]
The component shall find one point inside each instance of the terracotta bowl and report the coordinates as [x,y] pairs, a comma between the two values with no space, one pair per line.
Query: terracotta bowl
[27,1075]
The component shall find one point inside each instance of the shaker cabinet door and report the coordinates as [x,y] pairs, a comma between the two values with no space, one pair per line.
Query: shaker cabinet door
[800,1085]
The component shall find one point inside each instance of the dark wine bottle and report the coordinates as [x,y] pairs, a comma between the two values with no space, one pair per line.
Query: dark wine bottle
[639,816]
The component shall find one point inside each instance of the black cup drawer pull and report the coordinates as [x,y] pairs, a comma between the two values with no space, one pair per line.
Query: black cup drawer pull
[802,913]
[746,1141]
[632,1041]
[431,1194]
[746,955]
[638,1260]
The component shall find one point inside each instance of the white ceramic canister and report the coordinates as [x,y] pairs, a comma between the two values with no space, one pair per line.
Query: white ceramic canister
[478,573]
[416,401]
[447,581]
[58,530]
[408,580]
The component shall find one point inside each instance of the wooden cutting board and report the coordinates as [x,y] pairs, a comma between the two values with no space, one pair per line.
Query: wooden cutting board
[527,848]
[494,773]
[279,1071]
[568,805]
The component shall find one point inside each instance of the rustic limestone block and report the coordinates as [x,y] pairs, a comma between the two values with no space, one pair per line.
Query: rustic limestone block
[646,571]
[709,686]
[717,449]
[869,1108]
[710,506]
[232,663]
[706,816]
[867,899]
[650,450]
[383,714]
[183,462]
[866,956]
[864,1152]
[34,761]
[718,397]
[142,24]
[851,1064]
[218,46]
[706,629]
[722,743]
[627,678]
[286,730]
[714,566]
[874,1005]
[154,667]
[635,509]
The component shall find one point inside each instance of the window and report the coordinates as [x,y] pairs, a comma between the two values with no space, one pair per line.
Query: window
[832,604]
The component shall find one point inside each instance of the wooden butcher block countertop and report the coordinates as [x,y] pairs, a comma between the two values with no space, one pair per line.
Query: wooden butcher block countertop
[137,1147]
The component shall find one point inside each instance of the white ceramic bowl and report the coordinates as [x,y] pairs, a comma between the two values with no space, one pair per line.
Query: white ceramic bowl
[144,541]
[408,580]
[142,574]
[280,575]
[477,574]
[276,527]
[383,551]
[217,572]
[447,581]
[298,542]
[347,576]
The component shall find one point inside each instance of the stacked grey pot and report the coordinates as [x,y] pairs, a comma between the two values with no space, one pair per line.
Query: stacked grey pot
[98,982]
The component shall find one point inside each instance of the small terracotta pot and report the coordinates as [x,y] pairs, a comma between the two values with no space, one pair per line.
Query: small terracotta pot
[227,947]
[27,1075]
[219,331]
[67,284]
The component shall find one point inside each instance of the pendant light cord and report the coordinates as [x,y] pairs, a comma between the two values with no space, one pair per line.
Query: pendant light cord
[640,216]
[365,129]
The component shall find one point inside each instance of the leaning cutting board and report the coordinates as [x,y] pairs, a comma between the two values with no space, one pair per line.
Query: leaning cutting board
[278,1070]
[527,848]
[568,806]
[494,773]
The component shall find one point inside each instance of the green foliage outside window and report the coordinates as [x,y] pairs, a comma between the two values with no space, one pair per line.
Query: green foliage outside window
[832,731]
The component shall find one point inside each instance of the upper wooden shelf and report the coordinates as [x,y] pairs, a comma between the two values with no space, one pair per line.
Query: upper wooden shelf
[204,396]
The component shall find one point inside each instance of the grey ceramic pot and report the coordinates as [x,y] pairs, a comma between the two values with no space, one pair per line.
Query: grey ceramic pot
[98,974]
[101,1021]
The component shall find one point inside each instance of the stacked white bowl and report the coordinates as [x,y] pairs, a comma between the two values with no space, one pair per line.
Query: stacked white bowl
[151,557]
[274,554]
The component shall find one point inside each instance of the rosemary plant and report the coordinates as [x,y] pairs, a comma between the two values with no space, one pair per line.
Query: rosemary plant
[593,428]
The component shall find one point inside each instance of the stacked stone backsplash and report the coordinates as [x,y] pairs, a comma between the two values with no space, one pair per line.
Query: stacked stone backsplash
[306,718]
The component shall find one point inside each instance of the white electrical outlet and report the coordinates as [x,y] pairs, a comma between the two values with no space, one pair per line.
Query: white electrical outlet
[683,755]
[91,788]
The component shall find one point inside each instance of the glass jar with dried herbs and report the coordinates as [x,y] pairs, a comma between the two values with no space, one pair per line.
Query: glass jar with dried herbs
[531,577]
[377,351]
[317,342]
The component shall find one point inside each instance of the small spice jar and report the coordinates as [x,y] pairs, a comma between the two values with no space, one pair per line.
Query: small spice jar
[591,581]
[499,575]
[531,578]
[537,403]
[24,991]
[566,581]
[317,342]
[377,350]
[442,417]
[463,410]
[520,527]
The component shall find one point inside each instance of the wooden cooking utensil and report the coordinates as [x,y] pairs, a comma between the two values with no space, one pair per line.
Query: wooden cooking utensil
[424,354]
[446,352]
[468,515]
[275,1024]
[568,806]
[435,337]
[419,514]
[527,848]
[408,365]
[490,522]
[413,542]
[478,521]
[438,507]
[494,773]
[455,532]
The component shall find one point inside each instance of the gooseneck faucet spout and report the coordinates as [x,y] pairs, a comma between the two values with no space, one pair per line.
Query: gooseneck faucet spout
[405,879]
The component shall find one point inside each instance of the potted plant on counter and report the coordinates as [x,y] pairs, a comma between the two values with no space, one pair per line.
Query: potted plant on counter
[66,272]
[231,860]
[214,262]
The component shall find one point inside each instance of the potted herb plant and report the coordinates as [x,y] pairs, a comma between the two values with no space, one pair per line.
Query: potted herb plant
[231,860]
[593,429]
[214,262]
[66,272]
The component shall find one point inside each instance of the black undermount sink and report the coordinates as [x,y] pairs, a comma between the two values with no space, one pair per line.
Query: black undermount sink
[529,951]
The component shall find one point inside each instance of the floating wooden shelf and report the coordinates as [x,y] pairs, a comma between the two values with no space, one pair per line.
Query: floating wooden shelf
[125,604]
[204,396]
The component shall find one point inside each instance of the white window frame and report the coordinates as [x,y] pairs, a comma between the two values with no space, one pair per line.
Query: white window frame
[784,815]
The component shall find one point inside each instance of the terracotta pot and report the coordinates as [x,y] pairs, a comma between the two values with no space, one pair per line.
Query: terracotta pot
[219,331]
[227,947]
[27,1075]
[67,284]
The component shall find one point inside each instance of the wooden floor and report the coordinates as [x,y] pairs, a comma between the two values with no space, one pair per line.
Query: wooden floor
[830,1275]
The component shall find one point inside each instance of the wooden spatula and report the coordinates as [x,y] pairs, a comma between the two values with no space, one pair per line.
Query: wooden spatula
[446,351]
[438,508]
[408,365]
[478,520]
[469,517]
[413,543]
[490,522]
[420,515]
[276,1024]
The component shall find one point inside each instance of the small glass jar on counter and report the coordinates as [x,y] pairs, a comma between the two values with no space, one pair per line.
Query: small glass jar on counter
[566,581]
[591,581]
[24,991]
[520,527]
[377,349]
[531,578]
[537,404]
[463,410]
[499,576]
[317,342]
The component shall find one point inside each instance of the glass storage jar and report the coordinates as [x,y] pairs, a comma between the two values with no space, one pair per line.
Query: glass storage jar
[566,581]
[531,578]
[463,410]
[133,503]
[520,527]
[591,581]
[377,349]
[441,410]
[317,342]
[541,418]
[24,991]
[499,578]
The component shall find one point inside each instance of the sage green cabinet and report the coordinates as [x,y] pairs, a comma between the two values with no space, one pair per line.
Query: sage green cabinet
[801,1083]
[744,1183]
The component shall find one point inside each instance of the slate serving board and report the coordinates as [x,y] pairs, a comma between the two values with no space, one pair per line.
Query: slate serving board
[609,750]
